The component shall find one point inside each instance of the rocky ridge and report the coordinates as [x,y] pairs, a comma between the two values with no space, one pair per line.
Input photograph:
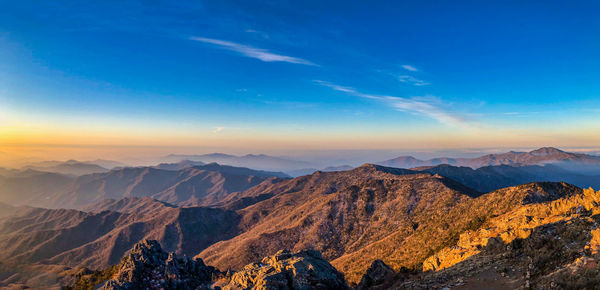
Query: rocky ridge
[147,266]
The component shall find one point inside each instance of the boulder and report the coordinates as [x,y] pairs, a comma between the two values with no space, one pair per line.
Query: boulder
[285,270]
[377,274]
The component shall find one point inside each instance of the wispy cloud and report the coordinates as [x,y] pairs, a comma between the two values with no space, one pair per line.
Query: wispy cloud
[429,106]
[412,80]
[222,129]
[409,67]
[253,52]
[218,129]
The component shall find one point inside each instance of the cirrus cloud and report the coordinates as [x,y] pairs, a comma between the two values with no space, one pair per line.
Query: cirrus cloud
[252,52]
[428,106]
[409,67]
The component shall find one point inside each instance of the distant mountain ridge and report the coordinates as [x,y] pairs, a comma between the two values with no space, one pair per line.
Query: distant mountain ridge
[489,178]
[545,155]
[259,161]
[69,167]
[197,185]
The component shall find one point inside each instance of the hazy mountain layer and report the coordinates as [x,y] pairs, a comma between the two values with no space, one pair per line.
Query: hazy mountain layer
[70,167]
[489,178]
[581,163]
[260,161]
[199,185]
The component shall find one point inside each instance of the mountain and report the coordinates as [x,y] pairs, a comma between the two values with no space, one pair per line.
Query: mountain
[308,171]
[50,238]
[179,165]
[427,230]
[581,163]
[8,171]
[409,162]
[371,211]
[31,187]
[260,161]
[199,185]
[337,213]
[338,168]
[110,164]
[489,178]
[547,242]
[70,167]
[301,172]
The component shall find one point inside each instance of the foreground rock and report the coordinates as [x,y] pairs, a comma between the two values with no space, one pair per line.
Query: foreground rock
[377,276]
[149,267]
[285,270]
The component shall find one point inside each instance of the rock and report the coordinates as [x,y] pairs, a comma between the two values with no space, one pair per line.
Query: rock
[147,266]
[285,270]
[377,274]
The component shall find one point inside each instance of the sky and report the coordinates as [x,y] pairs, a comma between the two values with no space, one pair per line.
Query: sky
[127,78]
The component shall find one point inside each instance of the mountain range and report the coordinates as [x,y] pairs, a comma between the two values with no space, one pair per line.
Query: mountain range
[70,167]
[198,185]
[502,226]
[352,217]
[259,162]
[579,162]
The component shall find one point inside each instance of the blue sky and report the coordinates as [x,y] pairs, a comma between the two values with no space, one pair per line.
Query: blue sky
[301,74]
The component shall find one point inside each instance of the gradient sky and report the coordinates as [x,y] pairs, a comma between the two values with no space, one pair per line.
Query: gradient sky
[298,75]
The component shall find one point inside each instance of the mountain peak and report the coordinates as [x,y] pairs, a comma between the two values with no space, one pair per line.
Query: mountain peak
[544,151]
[372,168]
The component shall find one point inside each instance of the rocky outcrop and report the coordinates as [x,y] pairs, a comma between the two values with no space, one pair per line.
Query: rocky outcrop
[147,266]
[285,270]
[376,276]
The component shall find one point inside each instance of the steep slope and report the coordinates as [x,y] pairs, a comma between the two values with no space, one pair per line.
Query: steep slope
[137,205]
[402,251]
[545,243]
[96,240]
[336,213]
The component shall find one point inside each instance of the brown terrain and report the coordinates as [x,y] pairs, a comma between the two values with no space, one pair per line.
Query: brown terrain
[380,227]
